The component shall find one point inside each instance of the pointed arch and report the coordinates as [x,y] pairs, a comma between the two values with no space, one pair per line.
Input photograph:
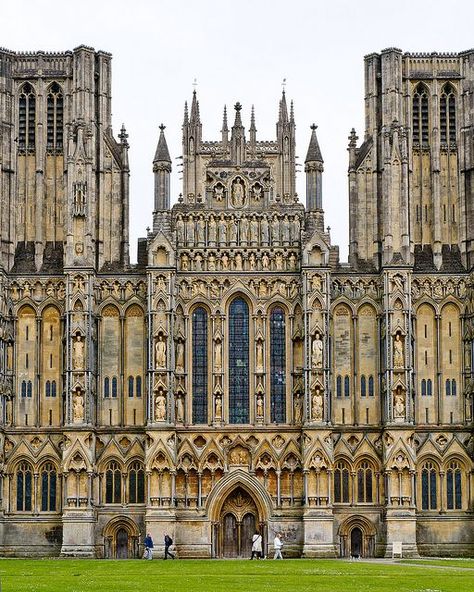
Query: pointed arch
[239,360]
[447,114]
[55,118]
[26,118]
[200,363]
[420,114]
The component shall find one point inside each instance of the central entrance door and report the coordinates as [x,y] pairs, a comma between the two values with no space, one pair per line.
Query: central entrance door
[121,544]
[238,523]
[356,541]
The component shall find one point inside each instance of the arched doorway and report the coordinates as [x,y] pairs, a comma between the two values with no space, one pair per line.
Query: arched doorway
[121,539]
[238,522]
[357,537]
[356,542]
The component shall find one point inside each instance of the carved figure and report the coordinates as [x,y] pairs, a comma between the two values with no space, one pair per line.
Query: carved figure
[260,406]
[317,404]
[180,357]
[78,406]
[254,230]
[275,230]
[298,408]
[190,230]
[180,408]
[244,229]
[317,352]
[160,352]
[200,230]
[264,230]
[218,356]
[238,193]
[222,230]
[218,408]
[232,231]
[179,229]
[398,357]
[259,364]
[78,353]
[211,230]
[160,405]
[399,403]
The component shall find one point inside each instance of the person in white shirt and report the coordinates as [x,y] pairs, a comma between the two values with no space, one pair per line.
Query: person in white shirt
[256,546]
[278,545]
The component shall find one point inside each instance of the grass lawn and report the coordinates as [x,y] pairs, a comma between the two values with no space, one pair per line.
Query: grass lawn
[460,562]
[298,575]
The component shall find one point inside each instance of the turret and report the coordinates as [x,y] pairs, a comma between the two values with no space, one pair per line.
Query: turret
[237,140]
[314,169]
[162,170]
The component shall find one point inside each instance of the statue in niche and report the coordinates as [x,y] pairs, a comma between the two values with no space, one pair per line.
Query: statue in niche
[211,262]
[8,409]
[190,230]
[214,290]
[252,262]
[78,353]
[225,262]
[222,230]
[265,261]
[212,230]
[219,192]
[244,229]
[180,229]
[218,408]
[275,230]
[161,283]
[259,364]
[298,408]
[254,230]
[238,193]
[399,403]
[317,351]
[259,405]
[198,262]
[292,262]
[264,230]
[317,404]
[232,231]
[279,262]
[398,355]
[262,289]
[218,356]
[180,408]
[184,262]
[293,290]
[238,262]
[285,230]
[160,352]
[257,192]
[200,230]
[180,357]
[295,230]
[78,406]
[160,405]
[9,356]
[26,290]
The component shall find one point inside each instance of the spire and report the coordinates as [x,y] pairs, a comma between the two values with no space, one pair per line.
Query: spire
[225,127]
[238,137]
[162,153]
[253,129]
[225,130]
[123,136]
[314,152]
[186,117]
[238,118]
[292,113]
[283,116]
[195,118]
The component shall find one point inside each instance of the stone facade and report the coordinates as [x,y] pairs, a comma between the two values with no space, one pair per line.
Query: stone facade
[239,376]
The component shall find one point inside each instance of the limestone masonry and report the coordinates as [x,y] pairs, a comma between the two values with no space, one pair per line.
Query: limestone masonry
[239,376]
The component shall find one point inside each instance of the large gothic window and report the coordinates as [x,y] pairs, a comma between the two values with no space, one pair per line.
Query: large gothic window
[447,115]
[26,118]
[136,484]
[429,486]
[420,115]
[364,483]
[48,488]
[239,361]
[23,487]
[341,483]
[113,484]
[200,365]
[277,365]
[55,118]
[454,486]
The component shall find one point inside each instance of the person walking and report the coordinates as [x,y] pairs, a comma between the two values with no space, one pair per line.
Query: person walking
[278,545]
[148,547]
[256,546]
[168,543]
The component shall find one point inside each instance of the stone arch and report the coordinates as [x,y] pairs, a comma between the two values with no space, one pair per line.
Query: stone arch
[112,533]
[368,535]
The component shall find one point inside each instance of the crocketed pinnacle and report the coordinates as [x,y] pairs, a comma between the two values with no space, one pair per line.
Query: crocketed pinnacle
[162,153]
[314,152]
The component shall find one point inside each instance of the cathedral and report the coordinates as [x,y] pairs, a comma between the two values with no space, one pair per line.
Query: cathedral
[239,376]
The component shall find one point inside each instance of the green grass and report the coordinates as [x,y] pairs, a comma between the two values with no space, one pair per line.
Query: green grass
[299,575]
[460,562]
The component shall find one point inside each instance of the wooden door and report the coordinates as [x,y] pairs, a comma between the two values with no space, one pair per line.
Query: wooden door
[247,531]
[121,544]
[356,541]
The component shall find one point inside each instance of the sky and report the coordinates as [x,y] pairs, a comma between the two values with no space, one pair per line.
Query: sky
[238,50]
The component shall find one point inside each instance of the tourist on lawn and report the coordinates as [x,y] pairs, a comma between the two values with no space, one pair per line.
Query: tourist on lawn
[278,545]
[148,547]
[256,546]
[168,543]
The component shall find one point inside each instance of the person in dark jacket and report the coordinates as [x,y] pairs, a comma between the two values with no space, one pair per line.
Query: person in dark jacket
[148,547]
[168,543]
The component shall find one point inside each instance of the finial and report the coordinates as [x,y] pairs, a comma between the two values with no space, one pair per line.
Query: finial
[195,83]
[353,138]
[162,128]
[123,134]
[314,127]
[283,85]
[238,106]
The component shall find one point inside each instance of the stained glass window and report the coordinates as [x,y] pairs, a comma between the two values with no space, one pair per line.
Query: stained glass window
[48,488]
[136,484]
[23,487]
[363,386]
[200,366]
[341,483]
[239,362]
[277,365]
[113,484]
[454,486]
[371,386]
[428,487]
[364,483]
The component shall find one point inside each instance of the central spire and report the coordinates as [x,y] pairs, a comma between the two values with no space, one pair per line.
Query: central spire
[238,136]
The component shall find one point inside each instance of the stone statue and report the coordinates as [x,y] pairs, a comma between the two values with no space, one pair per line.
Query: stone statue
[254,230]
[9,356]
[259,406]
[238,262]
[218,356]
[265,261]
[222,230]
[252,262]
[160,352]
[298,408]
[78,353]
[232,231]
[317,405]
[218,408]
[259,364]
[295,230]
[190,230]
[275,230]
[179,229]
[317,352]
[78,406]
[257,192]
[285,230]
[219,192]
[399,404]
[200,231]
[180,408]
[238,193]
[244,230]
[211,262]
[225,261]
[211,230]
[180,357]
[264,230]
[184,262]
[279,262]
[398,356]
[160,405]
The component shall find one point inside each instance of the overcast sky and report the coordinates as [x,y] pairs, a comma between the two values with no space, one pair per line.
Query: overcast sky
[238,50]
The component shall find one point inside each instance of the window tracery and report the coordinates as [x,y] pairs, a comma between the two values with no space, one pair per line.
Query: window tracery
[200,365]
[27,119]
[278,365]
[239,361]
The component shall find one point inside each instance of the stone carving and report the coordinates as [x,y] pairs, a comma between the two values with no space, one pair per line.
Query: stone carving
[180,408]
[78,406]
[180,357]
[298,408]
[78,353]
[219,192]
[317,404]
[238,193]
[200,231]
[317,351]
[264,231]
[259,357]
[260,406]
[222,228]
[160,352]
[218,355]
[275,230]
[212,231]
[79,191]
[399,404]
[180,229]
[218,408]
[398,354]
[160,405]
[190,231]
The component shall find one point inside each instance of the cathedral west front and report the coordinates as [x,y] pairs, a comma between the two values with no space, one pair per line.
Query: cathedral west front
[239,376]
